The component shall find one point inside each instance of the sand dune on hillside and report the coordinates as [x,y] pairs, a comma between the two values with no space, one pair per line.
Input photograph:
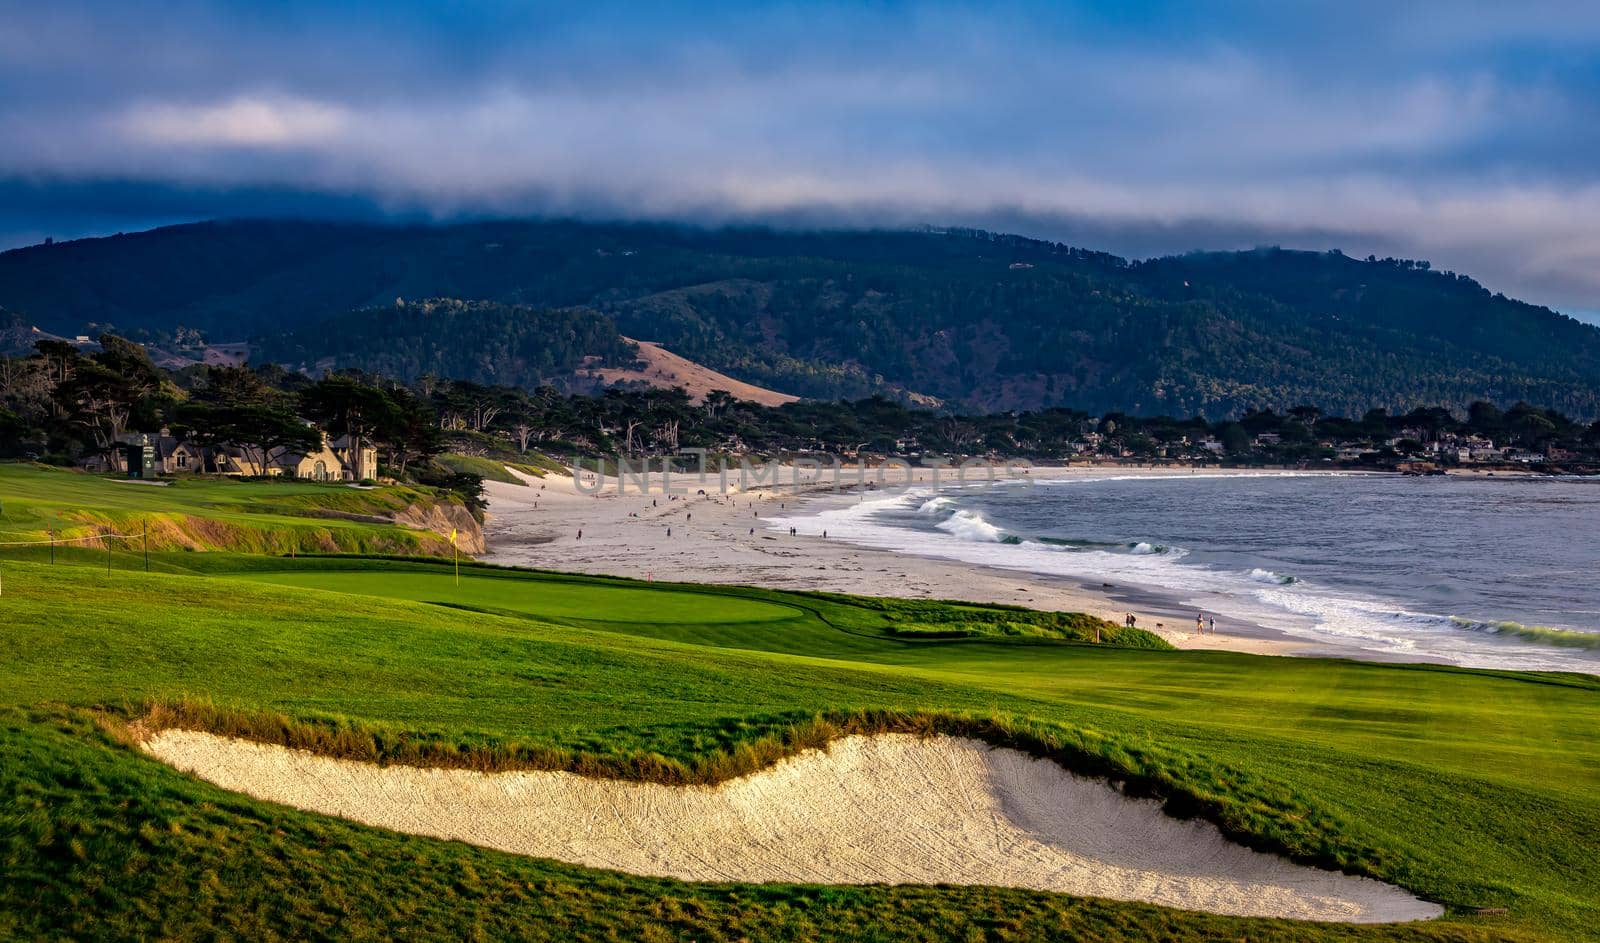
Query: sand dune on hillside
[889,809]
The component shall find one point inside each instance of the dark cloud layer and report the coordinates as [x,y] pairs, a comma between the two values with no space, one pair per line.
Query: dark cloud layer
[1462,133]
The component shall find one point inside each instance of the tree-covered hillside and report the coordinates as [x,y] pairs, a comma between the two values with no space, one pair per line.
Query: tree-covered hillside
[479,341]
[977,319]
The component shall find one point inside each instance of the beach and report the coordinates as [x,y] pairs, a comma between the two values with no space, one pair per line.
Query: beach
[726,538]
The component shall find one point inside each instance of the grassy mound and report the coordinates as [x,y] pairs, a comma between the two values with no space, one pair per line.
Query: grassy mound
[533,464]
[1475,789]
[214,514]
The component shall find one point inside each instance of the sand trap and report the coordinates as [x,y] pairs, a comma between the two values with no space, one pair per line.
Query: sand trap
[887,809]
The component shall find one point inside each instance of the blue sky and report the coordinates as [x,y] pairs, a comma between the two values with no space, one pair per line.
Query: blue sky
[1464,133]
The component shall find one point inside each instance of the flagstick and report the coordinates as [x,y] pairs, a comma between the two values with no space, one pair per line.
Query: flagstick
[456,553]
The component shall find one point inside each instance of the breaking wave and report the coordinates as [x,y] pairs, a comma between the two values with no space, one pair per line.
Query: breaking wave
[970,525]
[1542,634]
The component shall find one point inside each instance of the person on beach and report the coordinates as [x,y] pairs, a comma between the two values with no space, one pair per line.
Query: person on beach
[1213,629]
[580,535]
[1199,624]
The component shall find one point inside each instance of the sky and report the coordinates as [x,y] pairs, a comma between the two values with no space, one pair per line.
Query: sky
[1464,133]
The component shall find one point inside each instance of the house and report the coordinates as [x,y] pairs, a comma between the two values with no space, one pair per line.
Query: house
[321,464]
[355,467]
[175,456]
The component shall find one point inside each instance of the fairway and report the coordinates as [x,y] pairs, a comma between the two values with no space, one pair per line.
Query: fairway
[1472,789]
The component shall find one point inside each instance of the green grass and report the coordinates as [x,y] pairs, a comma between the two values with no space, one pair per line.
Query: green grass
[488,469]
[539,464]
[534,464]
[1476,789]
[191,513]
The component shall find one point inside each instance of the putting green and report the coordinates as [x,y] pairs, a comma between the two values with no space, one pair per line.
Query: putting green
[545,599]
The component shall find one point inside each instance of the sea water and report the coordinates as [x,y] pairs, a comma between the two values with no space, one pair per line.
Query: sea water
[1483,572]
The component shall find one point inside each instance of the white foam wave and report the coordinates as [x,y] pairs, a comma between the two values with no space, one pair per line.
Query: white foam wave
[970,525]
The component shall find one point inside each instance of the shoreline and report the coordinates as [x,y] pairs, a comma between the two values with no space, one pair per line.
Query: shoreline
[722,538]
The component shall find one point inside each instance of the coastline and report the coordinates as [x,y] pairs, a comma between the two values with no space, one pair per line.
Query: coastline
[708,538]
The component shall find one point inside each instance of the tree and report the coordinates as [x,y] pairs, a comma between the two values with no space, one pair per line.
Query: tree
[1234,438]
[262,433]
[103,392]
[238,386]
[410,430]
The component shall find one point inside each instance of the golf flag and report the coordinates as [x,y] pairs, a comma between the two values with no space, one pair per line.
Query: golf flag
[455,555]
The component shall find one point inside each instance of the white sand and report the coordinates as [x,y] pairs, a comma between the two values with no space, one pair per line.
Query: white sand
[537,526]
[869,810]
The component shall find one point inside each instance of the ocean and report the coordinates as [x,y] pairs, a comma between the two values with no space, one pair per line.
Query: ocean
[1482,572]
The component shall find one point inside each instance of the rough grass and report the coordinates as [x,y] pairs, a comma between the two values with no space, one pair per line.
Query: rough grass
[1476,789]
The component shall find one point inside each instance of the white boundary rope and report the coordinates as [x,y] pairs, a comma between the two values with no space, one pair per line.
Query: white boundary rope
[68,540]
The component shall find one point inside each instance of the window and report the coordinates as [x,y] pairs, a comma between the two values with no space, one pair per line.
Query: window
[320,471]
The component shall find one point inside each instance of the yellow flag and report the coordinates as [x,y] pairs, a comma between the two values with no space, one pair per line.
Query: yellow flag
[452,535]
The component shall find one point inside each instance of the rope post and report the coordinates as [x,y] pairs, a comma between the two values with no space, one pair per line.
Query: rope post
[146,536]
[52,533]
[107,541]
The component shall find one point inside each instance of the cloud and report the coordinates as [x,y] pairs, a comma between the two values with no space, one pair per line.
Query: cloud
[1319,126]
[238,122]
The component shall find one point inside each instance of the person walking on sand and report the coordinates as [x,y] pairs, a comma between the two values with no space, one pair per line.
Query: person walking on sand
[1199,624]
[1213,629]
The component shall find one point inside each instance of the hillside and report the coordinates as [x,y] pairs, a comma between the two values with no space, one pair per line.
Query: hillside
[971,318]
[479,341]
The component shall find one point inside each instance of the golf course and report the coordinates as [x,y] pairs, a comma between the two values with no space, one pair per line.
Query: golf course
[1478,792]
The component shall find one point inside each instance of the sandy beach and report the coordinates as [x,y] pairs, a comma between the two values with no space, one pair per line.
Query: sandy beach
[719,537]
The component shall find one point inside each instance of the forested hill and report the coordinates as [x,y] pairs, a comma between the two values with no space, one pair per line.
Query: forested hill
[977,319]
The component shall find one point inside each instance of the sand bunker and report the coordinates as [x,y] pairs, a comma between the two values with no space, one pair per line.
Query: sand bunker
[887,809]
